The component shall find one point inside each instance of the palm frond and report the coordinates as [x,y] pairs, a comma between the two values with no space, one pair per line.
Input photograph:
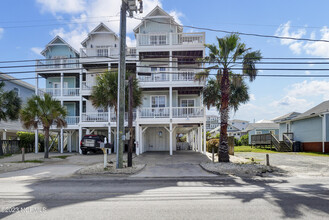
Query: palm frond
[249,64]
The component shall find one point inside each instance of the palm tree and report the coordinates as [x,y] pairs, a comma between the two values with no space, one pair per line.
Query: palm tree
[105,93]
[229,88]
[10,104]
[46,111]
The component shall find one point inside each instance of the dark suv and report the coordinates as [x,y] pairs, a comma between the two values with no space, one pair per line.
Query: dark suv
[91,143]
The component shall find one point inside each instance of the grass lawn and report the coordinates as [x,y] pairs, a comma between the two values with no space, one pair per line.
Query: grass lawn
[6,155]
[267,150]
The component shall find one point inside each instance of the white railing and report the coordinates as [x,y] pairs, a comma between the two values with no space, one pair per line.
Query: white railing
[50,91]
[57,64]
[188,38]
[131,51]
[72,120]
[184,76]
[87,85]
[95,117]
[154,77]
[71,92]
[99,52]
[162,39]
[114,116]
[154,112]
[57,91]
[188,112]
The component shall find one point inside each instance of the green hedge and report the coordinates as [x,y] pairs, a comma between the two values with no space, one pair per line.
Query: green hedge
[27,140]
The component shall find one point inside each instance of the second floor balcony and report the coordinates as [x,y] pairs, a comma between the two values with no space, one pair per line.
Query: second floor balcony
[177,112]
[57,92]
[65,63]
[175,76]
[103,51]
[164,39]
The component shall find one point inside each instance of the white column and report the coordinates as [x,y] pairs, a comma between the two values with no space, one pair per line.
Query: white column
[141,144]
[204,138]
[69,141]
[170,65]
[36,141]
[323,132]
[137,138]
[62,83]
[80,138]
[62,140]
[36,83]
[199,138]
[109,125]
[4,134]
[170,137]
[170,102]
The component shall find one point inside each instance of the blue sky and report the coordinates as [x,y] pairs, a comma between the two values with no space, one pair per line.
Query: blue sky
[270,97]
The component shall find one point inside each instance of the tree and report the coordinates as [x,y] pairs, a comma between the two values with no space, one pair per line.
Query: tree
[10,104]
[229,88]
[105,95]
[46,111]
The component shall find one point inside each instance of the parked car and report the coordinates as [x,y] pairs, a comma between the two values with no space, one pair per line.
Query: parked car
[92,143]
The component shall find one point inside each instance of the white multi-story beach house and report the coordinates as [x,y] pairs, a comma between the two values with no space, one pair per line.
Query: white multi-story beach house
[165,63]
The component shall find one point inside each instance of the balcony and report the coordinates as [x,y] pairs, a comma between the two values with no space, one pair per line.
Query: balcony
[87,85]
[55,92]
[184,75]
[163,39]
[188,112]
[154,112]
[95,117]
[57,64]
[114,116]
[72,120]
[105,52]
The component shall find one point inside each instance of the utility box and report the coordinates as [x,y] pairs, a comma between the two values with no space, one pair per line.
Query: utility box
[230,141]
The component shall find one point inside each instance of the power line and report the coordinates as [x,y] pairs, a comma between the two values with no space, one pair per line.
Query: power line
[239,33]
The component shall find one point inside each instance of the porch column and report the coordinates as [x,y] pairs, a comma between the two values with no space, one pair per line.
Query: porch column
[36,141]
[62,141]
[141,144]
[36,83]
[170,65]
[109,139]
[4,134]
[170,102]
[80,138]
[200,138]
[69,141]
[62,83]
[170,138]
[137,138]
[204,138]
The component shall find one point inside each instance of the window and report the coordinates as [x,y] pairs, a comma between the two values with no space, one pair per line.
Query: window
[16,90]
[158,101]
[187,103]
[158,40]
[159,76]
[258,132]
[102,51]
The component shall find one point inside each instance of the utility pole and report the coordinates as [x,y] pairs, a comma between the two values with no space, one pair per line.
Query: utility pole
[126,6]
[130,122]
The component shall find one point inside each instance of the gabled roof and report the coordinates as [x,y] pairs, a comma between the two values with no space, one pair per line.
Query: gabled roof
[253,126]
[158,11]
[16,81]
[58,41]
[101,28]
[314,112]
[286,117]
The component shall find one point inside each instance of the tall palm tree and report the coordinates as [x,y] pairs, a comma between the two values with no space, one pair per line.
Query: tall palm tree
[105,93]
[46,111]
[228,86]
[10,104]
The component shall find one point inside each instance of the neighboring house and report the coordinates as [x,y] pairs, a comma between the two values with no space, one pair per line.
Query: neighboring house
[262,128]
[172,103]
[24,90]
[236,128]
[311,128]
[213,121]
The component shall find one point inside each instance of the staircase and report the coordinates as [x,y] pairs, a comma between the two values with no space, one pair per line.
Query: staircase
[282,146]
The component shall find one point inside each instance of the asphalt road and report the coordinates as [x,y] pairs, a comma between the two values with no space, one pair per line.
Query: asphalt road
[164,198]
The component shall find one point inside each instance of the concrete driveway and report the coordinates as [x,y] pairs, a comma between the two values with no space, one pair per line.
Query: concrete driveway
[181,164]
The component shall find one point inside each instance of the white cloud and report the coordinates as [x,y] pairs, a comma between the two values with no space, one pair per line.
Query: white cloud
[317,48]
[62,6]
[36,50]
[176,15]
[310,89]
[252,97]
[74,36]
[291,103]
[1,32]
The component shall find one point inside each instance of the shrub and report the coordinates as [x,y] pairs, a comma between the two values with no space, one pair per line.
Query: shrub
[237,142]
[27,140]
[244,140]
[212,143]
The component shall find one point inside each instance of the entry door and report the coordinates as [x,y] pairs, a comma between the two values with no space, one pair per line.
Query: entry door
[158,103]
[56,89]
[188,105]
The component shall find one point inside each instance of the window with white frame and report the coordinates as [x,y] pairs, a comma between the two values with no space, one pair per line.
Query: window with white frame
[102,51]
[158,101]
[258,132]
[187,103]
[16,90]
[158,74]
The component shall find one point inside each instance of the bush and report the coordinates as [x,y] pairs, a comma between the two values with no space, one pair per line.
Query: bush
[237,142]
[27,141]
[212,143]
[245,140]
